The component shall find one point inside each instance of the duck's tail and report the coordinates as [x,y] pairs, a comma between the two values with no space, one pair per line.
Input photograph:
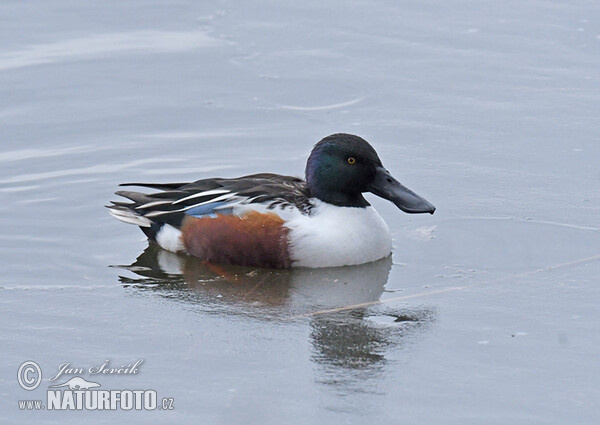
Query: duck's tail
[159,228]
[127,214]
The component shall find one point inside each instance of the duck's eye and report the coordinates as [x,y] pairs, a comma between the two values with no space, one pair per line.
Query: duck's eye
[351,160]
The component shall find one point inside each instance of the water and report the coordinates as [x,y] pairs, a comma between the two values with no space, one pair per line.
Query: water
[487,312]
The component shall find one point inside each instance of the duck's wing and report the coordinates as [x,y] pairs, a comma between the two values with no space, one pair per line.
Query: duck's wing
[174,201]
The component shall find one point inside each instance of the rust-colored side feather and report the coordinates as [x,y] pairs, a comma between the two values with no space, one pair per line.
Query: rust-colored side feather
[254,239]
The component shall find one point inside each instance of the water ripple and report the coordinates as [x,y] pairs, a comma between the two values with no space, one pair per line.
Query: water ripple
[104,44]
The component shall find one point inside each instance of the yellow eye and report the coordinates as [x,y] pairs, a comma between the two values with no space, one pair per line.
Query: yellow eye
[351,160]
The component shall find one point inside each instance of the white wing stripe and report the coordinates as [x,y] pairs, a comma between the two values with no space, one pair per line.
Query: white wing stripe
[157,213]
[217,199]
[201,194]
[152,204]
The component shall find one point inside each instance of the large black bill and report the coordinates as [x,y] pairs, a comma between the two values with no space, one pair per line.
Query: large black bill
[387,187]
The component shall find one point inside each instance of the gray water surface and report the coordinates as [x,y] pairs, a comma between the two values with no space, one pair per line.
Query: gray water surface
[487,313]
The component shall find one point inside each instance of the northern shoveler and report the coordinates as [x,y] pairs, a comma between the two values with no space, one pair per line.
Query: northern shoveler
[275,221]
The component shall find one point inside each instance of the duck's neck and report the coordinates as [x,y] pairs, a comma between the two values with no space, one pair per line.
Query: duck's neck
[341,199]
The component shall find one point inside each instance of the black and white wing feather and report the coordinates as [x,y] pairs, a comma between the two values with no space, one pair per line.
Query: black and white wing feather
[173,201]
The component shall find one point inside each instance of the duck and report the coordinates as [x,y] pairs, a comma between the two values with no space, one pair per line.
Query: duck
[276,221]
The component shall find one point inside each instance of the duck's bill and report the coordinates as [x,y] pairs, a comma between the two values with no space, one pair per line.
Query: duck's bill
[387,187]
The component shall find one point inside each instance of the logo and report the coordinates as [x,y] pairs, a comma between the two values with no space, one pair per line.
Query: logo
[79,393]
[27,375]
[77,383]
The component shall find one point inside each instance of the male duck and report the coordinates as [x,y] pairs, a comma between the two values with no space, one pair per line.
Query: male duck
[269,220]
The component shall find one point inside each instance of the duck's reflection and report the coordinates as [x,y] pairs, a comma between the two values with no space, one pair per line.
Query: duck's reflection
[349,328]
[357,342]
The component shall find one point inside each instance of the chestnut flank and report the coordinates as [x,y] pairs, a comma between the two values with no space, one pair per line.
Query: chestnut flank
[254,239]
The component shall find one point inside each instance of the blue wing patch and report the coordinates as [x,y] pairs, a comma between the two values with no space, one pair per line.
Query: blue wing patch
[208,210]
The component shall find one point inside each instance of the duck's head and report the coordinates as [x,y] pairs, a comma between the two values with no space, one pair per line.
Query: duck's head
[341,167]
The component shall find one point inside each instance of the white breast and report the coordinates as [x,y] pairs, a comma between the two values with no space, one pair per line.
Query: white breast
[338,236]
